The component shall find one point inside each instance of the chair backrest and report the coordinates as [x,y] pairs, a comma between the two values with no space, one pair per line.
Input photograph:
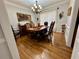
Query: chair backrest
[13,32]
[51,27]
[12,29]
[46,23]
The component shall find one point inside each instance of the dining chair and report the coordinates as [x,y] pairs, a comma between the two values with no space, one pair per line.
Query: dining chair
[40,34]
[49,34]
[15,32]
[46,25]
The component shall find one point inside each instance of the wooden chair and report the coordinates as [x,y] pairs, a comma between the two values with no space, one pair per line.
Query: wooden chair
[15,32]
[22,29]
[50,32]
[46,34]
[46,24]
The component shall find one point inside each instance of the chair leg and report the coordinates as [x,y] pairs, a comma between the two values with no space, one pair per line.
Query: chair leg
[51,39]
[48,38]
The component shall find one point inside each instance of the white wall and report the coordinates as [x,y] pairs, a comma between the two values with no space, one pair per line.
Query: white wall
[51,13]
[71,23]
[8,49]
[48,16]
[68,24]
[12,9]
[4,50]
[75,53]
[63,20]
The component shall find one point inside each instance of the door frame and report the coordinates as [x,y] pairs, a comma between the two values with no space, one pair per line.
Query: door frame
[75,30]
[7,31]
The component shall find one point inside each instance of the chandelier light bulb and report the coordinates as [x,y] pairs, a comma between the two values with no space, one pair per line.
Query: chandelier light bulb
[32,8]
[40,7]
[36,7]
[34,4]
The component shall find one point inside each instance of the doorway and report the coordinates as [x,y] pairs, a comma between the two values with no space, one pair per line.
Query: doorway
[75,30]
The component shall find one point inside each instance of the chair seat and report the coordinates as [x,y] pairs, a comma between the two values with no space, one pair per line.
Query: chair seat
[16,32]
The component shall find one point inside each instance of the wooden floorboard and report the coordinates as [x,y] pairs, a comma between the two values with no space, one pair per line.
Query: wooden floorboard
[31,49]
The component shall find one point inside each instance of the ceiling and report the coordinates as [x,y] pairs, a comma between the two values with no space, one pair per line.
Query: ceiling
[29,3]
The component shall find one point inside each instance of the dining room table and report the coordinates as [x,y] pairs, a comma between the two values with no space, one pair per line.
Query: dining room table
[38,31]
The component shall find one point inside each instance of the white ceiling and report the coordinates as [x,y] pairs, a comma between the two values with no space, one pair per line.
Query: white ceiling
[29,3]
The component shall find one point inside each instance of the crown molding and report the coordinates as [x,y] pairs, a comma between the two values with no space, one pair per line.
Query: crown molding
[16,5]
[54,6]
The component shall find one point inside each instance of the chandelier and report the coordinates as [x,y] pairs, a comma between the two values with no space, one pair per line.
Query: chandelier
[36,8]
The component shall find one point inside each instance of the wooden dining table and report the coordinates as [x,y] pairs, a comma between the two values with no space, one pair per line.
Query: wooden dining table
[37,32]
[36,29]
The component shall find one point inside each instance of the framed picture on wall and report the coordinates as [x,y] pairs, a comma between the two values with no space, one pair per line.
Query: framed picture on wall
[23,17]
[69,11]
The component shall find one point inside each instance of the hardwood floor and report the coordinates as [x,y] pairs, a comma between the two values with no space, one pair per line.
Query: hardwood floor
[31,49]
